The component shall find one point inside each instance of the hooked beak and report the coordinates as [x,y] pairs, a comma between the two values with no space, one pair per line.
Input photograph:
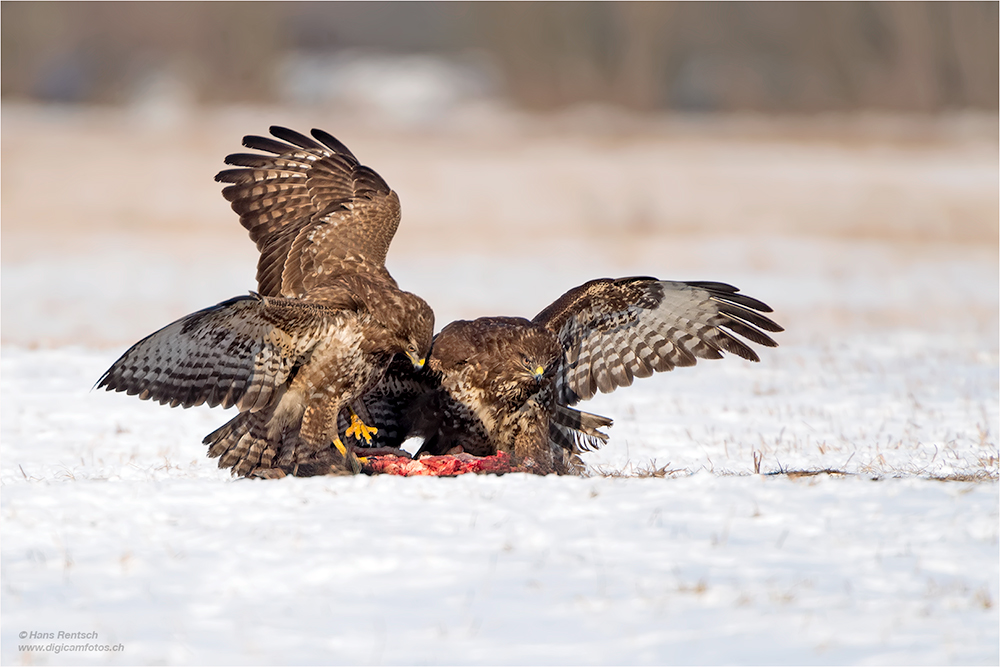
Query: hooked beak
[538,373]
[418,362]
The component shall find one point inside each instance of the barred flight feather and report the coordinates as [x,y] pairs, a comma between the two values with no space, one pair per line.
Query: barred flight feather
[295,138]
[221,354]
[301,186]
[616,330]
[266,144]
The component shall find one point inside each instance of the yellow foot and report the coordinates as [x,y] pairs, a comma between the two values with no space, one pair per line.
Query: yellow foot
[343,450]
[360,430]
[349,458]
[340,447]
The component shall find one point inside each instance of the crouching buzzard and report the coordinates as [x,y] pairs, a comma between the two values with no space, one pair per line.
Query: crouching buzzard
[506,384]
[325,325]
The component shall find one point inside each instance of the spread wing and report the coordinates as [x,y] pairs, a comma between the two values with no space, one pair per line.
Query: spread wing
[312,209]
[613,331]
[239,352]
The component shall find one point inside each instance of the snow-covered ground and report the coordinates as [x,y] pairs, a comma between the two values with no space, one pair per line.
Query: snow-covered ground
[699,538]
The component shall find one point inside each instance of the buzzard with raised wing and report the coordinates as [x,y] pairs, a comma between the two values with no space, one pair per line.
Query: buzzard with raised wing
[321,331]
[504,384]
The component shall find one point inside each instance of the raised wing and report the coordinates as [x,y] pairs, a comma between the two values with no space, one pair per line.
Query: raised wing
[613,331]
[312,209]
[239,352]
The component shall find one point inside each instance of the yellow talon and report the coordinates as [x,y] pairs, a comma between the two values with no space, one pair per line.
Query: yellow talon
[340,447]
[360,430]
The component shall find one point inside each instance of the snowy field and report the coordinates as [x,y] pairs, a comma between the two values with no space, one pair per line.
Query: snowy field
[836,503]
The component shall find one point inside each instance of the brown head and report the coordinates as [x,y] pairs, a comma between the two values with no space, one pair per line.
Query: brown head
[510,355]
[411,324]
[532,357]
[406,321]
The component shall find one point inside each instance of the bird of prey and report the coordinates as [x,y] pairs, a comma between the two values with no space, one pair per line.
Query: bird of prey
[322,328]
[507,384]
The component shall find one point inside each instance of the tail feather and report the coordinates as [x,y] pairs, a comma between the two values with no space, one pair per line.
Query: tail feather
[242,444]
[576,431]
[236,456]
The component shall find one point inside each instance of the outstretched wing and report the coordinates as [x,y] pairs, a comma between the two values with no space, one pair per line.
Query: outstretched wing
[239,352]
[613,331]
[312,209]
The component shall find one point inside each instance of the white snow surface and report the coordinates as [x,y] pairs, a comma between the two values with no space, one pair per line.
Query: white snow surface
[885,384]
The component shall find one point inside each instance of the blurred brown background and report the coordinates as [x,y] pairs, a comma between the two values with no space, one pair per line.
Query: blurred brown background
[691,56]
[841,160]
